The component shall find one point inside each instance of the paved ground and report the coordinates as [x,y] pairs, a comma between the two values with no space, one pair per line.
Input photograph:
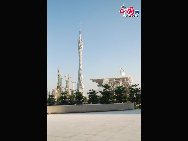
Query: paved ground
[95,126]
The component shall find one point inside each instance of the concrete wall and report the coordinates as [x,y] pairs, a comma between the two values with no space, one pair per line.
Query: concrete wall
[60,109]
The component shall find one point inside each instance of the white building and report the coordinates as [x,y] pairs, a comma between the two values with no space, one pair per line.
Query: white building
[48,92]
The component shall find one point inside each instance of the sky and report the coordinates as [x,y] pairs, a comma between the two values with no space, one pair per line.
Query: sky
[110,41]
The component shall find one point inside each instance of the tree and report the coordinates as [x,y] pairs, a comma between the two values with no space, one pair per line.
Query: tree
[93,97]
[120,94]
[51,100]
[135,94]
[71,99]
[85,100]
[138,97]
[78,97]
[107,95]
[63,99]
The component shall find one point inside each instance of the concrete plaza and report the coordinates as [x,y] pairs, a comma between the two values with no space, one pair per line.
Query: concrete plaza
[95,126]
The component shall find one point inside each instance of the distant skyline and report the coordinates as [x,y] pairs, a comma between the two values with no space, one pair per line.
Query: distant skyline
[110,41]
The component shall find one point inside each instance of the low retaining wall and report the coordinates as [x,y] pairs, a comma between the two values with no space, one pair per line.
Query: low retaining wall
[61,109]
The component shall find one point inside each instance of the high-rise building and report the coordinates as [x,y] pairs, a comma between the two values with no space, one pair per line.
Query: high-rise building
[59,85]
[48,93]
[54,92]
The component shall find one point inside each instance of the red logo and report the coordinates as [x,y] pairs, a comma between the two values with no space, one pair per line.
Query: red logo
[130,11]
[123,10]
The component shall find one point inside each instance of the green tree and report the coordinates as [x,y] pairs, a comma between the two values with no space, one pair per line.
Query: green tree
[107,95]
[93,97]
[78,97]
[85,100]
[120,94]
[138,97]
[135,94]
[63,99]
[71,99]
[51,100]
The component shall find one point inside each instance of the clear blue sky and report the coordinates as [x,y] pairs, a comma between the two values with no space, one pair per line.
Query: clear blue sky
[109,40]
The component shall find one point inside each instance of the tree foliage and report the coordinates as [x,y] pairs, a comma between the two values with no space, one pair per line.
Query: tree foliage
[63,99]
[107,95]
[51,100]
[93,97]
[78,97]
[120,94]
[71,99]
[135,94]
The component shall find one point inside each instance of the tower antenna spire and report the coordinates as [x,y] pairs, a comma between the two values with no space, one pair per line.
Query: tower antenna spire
[80,26]
[80,32]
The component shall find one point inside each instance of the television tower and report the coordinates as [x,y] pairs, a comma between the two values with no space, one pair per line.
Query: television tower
[80,84]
